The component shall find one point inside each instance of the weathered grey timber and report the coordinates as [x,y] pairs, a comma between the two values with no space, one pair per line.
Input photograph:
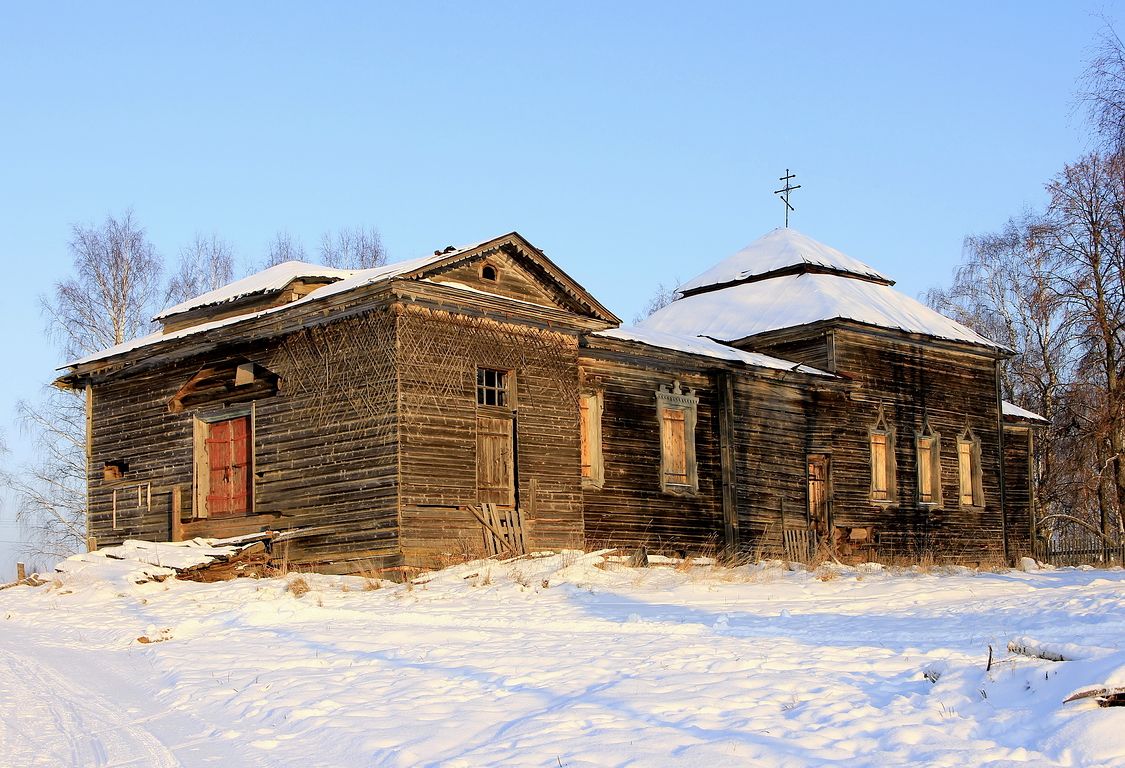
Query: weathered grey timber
[368,418]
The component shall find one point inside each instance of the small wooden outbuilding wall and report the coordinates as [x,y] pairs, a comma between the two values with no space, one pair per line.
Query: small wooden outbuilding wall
[374,418]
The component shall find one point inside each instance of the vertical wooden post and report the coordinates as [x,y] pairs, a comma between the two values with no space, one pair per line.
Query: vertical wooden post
[21,571]
[89,464]
[728,460]
[177,529]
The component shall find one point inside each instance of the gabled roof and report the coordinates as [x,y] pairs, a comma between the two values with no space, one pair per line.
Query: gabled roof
[276,278]
[786,280]
[781,251]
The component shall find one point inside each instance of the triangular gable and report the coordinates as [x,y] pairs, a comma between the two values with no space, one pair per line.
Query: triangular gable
[519,271]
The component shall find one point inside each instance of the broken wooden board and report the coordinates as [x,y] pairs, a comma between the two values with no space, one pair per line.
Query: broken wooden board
[1104,697]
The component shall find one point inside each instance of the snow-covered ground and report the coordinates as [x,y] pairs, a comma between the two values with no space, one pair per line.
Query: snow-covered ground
[564,661]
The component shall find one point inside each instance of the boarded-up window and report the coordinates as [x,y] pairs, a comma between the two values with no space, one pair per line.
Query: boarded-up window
[676,409]
[928,445]
[674,440]
[969,479]
[882,442]
[879,489]
[590,424]
[224,457]
[495,465]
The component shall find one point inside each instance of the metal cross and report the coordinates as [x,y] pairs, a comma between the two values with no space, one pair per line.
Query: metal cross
[784,192]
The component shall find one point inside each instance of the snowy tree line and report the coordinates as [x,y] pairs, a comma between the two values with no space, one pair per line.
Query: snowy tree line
[1051,285]
[118,284]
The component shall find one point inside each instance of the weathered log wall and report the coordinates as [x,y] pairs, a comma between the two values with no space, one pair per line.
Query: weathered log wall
[439,353]
[915,384]
[630,509]
[325,447]
[1019,491]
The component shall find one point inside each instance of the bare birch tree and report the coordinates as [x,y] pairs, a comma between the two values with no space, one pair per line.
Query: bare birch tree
[662,297]
[205,264]
[115,287]
[358,248]
[1052,287]
[284,247]
[109,299]
[1102,89]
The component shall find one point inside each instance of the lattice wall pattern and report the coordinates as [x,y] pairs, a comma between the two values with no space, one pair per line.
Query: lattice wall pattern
[345,373]
[442,373]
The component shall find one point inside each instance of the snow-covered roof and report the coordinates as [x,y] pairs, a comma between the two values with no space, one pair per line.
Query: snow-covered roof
[779,250]
[699,345]
[1015,412]
[353,279]
[748,309]
[269,280]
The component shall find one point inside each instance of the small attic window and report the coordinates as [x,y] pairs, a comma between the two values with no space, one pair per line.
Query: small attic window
[489,272]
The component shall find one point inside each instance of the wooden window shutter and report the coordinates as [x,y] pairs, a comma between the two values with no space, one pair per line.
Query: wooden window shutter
[928,455]
[925,470]
[673,436]
[881,438]
[584,427]
[965,470]
[970,475]
[879,490]
[676,413]
[590,426]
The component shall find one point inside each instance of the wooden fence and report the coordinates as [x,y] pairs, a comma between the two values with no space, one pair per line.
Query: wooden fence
[1070,542]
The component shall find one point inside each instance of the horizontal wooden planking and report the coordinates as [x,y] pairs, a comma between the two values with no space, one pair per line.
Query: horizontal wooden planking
[341,480]
[439,353]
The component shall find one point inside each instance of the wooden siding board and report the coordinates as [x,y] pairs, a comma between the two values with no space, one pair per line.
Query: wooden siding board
[439,352]
[344,477]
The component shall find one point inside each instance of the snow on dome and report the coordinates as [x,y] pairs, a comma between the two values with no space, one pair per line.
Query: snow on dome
[748,309]
[268,280]
[779,250]
[706,348]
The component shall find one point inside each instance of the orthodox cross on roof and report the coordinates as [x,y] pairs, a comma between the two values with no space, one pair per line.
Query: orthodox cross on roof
[784,192]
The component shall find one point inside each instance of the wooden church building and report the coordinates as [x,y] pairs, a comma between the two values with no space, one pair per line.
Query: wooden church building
[436,409]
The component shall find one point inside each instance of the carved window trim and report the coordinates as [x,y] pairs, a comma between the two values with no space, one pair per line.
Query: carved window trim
[927,452]
[970,476]
[881,442]
[676,406]
[591,405]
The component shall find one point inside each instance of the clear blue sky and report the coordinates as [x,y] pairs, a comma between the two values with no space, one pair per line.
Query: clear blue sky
[634,142]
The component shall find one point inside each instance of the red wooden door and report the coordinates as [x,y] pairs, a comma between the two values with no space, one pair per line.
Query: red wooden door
[228,459]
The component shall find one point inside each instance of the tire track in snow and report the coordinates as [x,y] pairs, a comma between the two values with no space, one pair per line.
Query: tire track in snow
[88,730]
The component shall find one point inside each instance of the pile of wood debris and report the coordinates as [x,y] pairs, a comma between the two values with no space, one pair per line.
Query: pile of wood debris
[193,560]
